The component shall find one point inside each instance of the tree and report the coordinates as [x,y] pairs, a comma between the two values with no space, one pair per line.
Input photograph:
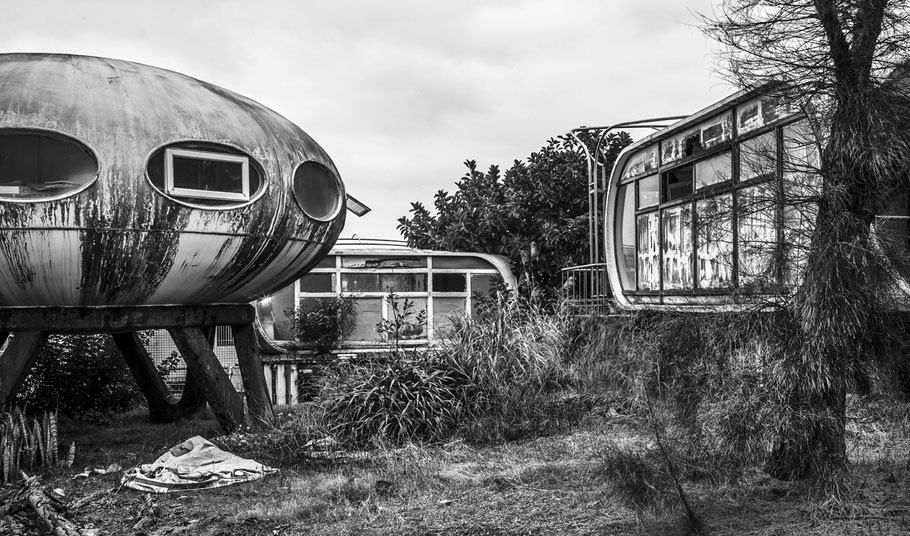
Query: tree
[837,60]
[536,215]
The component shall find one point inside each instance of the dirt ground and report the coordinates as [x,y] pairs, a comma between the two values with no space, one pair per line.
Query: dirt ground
[551,485]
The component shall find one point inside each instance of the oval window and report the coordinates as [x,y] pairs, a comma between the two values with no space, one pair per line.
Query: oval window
[317,190]
[205,174]
[35,167]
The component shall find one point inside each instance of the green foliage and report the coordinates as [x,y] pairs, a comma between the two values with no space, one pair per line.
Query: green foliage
[536,214]
[324,322]
[82,375]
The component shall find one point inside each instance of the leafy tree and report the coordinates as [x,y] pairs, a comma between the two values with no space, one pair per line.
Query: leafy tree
[837,59]
[536,214]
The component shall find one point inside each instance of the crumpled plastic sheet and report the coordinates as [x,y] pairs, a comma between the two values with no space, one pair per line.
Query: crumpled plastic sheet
[194,464]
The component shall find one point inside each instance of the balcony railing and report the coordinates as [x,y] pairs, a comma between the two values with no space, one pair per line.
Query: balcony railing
[586,290]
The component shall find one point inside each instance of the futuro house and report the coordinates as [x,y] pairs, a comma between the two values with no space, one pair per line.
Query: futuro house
[124,184]
[716,211]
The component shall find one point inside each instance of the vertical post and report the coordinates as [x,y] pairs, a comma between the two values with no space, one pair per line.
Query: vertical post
[17,361]
[204,366]
[257,396]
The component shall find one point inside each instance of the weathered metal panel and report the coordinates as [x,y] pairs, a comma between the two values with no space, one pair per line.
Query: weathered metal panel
[120,241]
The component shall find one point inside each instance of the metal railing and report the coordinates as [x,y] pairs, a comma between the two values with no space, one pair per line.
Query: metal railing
[586,290]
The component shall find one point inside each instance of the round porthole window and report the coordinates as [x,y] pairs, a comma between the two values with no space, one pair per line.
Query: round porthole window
[317,190]
[39,167]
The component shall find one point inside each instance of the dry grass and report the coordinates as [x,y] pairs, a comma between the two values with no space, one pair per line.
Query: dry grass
[550,485]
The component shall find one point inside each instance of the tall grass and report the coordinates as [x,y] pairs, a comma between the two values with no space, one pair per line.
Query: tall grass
[495,378]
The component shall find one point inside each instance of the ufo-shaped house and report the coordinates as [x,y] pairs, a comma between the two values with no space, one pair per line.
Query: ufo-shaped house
[124,185]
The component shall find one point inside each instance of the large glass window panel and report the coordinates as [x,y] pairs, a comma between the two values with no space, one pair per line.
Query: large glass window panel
[403,282]
[445,311]
[282,309]
[484,284]
[316,282]
[36,166]
[648,252]
[383,262]
[461,263]
[714,236]
[801,152]
[648,191]
[758,157]
[757,229]
[716,169]
[678,183]
[450,283]
[800,211]
[369,314]
[677,248]
[366,282]
[625,235]
[413,321]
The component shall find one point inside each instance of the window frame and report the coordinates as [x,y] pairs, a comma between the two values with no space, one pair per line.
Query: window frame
[193,154]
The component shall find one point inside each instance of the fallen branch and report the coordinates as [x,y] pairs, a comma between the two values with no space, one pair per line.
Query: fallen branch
[48,508]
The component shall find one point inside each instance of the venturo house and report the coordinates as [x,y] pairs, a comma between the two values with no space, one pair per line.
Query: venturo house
[128,190]
[716,211]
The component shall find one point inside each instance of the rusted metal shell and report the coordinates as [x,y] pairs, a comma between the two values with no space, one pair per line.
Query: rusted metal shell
[120,241]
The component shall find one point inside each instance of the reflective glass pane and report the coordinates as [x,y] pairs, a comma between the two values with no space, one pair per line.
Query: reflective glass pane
[625,236]
[403,282]
[316,190]
[369,314]
[368,282]
[718,168]
[413,320]
[327,262]
[758,157]
[444,311]
[208,175]
[677,248]
[648,191]
[282,306]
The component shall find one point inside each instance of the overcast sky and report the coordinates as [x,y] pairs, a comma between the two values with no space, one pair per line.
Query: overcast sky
[401,92]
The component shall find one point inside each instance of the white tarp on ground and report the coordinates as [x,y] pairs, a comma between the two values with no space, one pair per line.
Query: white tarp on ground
[193,464]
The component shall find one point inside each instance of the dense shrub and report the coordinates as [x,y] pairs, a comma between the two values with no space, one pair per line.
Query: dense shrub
[82,375]
[408,397]
[498,377]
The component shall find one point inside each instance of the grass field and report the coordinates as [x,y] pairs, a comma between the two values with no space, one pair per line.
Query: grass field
[548,485]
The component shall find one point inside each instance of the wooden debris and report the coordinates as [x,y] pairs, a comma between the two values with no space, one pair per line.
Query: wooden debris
[49,505]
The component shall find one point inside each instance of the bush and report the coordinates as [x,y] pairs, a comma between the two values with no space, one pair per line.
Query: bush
[497,377]
[409,397]
[324,322]
[82,375]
